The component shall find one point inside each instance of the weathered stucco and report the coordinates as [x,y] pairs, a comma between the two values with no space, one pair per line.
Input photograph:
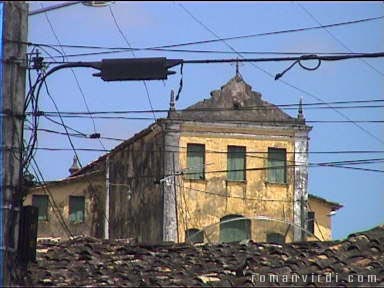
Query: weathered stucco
[301,184]
[136,204]
[168,182]
[91,187]
[323,218]
[204,202]
[152,201]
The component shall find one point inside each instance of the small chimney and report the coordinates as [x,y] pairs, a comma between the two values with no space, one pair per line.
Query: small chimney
[75,167]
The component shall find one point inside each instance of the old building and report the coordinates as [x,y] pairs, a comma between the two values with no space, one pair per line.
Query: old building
[228,168]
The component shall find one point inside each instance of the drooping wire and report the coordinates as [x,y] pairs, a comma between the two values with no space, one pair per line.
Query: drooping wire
[134,55]
[281,80]
[73,73]
[51,199]
[94,192]
[181,82]
[373,68]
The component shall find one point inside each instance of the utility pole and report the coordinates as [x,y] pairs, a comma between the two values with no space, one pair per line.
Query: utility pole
[12,94]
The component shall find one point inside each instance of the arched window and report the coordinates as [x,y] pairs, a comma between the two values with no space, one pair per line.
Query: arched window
[194,235]
[234,228]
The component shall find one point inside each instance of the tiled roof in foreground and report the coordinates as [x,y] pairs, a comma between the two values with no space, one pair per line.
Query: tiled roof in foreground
[94,262]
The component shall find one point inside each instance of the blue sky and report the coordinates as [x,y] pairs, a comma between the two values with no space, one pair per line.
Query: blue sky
[147,24]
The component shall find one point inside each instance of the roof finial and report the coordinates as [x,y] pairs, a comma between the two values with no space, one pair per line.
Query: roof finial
[172,105]
[237,67]
[75,167]
[300,114]
[172,101]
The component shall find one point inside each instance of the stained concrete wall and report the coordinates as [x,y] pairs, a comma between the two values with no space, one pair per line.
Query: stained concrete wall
[91,187]
[136,203]
[204,202]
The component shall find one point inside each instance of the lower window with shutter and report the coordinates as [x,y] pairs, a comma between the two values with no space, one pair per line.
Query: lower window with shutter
[234,228]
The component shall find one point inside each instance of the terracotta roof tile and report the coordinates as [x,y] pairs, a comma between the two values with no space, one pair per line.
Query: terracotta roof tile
[93,262]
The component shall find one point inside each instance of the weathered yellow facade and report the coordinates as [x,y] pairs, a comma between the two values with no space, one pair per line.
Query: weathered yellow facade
[144,191]
[204,202]
[58,206]
[323,210]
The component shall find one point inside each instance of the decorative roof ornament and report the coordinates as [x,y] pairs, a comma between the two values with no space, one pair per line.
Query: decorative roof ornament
[238,75]
[75,167]
[172,104]
[300,115]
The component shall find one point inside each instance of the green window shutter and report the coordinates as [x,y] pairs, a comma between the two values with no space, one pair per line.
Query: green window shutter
[236,163]
[194,235]
[277,158]
[236,230]
[41,202]
[76,208]
[195,161]
[275,238]
[311,222]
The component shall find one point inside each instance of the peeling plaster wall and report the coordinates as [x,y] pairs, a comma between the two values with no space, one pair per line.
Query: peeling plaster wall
[170,184]
[198,209]
[94,209]
[301,183]
[135,194]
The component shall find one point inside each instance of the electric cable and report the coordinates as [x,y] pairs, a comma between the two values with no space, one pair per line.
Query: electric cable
[73,73]
[373,68]
[133,54]
[272,76]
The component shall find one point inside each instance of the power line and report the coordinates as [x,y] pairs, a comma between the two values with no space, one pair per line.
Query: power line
[272,76]
[249,108]
[74,150]
[226,195]
[292,106]
[205,52]
[72,70]
[214,152]
[79,135]
[272,122]
[337,39]
[51,199]
[279,59]
[115,50]
[362,20]
[270,33]
[133,54]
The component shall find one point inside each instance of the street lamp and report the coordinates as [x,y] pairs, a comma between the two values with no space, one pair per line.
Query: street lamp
[70,3]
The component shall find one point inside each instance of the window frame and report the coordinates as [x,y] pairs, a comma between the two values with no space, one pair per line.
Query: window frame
[75,221]
[311,221]
[229,158]
[269,178]
[234,223]
[41,196]
[197,173]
